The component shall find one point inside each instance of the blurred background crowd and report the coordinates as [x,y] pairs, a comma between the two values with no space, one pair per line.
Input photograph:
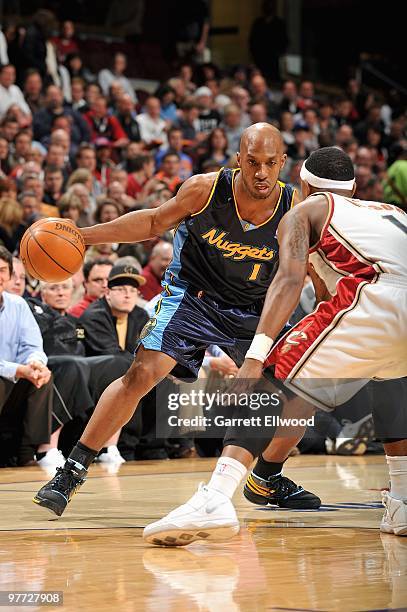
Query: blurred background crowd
[93,140]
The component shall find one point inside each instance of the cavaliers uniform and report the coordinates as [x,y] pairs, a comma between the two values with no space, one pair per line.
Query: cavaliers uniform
[361,333]
[215,286]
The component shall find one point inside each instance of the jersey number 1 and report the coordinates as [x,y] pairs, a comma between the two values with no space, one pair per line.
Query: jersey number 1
[255,272]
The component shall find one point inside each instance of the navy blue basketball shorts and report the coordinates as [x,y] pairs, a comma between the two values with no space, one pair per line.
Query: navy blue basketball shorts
[186,322]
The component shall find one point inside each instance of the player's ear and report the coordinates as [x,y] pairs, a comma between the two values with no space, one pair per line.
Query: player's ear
[238,159]
[305,190]
[283,160]
[354,189]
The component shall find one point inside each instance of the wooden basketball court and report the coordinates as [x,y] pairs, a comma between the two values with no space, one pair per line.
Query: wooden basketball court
[331,559]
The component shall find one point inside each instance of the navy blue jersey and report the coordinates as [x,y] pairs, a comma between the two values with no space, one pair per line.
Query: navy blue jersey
[221,254]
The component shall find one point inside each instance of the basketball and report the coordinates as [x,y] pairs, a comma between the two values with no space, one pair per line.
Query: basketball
[52,250]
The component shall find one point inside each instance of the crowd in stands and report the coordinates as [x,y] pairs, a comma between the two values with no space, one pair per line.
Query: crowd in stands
[89,147]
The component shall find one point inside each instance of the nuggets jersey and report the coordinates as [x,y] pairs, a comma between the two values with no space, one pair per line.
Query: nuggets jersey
[223,255]
[362,239]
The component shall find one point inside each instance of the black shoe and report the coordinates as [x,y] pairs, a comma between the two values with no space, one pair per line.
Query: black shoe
[279,491]
[58,492]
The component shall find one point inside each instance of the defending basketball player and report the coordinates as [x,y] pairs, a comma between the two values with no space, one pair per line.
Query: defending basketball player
[360,250]
[225,254]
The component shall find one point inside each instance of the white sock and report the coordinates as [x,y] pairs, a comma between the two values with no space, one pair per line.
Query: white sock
[398,476]
[227,475]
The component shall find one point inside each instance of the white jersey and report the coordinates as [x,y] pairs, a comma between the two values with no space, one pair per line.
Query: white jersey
[361,239]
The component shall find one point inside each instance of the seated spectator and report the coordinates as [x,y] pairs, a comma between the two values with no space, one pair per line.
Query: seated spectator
[117,192]
[189,121]
[141,170]
[127,117]
[32,183]
[262,94]
[104,161]
[299,150]
[107,210]
[57,159]
[11,228]
[166,95]
[63,338]
[25,381]
[17,282]
[364,182]
[22,148]
[209,118]
[152,127]
[30,207]
[53,185]
[232,125]
[217,145]
[186,74]
[153,272]
[344,135]
[175,145]
[77,70]
[345,113]
[54,106]
[169,173]
[210,165]
[288,102]
[70,207]
[78,102]
[241,98]
[95,283]
[9,128]
[5,162]
[33,90]
[11,94]
[395,183]
[258,113]
[113,323]
[106,76]
[306,97]
[101,124]
[86,158]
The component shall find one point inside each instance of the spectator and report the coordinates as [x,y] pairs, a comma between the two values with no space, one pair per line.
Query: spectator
[107,210]
[11,229]
[34,48]
[153,272]
[169,173]
[113,323]
[25,381]
[209,118]
[258,113]
[106,76]
[77,70]
[103,125]
[175,145]
[290,95]
[286,127]
[299,150]
[152,127]
[65,43]
[32,183]
[117,192]
[364,182]
[233,128]
[53,184]
[241,97]
[86,158]
[217,149]
[22,148]
[17,282]
[186,76]
[43,119]
[395,183]
[5,163]
[70,207]
[189,121]
[11,94]
[104,162]
[268,41]
[30,207]
[306,98]
[262,94]
[78,102]
[33,90]
[141,170]
[166,95]
[95,283]
[127,117]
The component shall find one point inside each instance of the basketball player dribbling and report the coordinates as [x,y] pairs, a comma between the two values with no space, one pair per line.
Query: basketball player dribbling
[359,249]
[225,255]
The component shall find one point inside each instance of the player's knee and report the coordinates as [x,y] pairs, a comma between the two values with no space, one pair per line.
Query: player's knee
[139,379]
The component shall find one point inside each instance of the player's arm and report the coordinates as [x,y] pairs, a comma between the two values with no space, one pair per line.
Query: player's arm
[145,224]
[283,295]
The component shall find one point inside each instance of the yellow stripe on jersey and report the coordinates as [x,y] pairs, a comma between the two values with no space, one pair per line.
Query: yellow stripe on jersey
[215,182]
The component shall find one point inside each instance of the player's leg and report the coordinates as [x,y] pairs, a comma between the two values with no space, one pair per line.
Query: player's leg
[395,501]
[114,409]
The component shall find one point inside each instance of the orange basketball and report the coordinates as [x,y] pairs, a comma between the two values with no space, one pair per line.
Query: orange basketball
[52,250]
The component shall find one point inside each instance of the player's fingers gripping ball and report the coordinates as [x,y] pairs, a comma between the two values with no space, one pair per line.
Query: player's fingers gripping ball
[52,250]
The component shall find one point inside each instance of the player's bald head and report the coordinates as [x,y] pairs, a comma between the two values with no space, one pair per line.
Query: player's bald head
[261,135]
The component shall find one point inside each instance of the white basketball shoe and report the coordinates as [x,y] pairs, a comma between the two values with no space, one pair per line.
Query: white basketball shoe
[395,515]
[209,515]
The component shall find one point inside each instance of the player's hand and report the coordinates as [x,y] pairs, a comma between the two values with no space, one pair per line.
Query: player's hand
[224,364]
[247,376]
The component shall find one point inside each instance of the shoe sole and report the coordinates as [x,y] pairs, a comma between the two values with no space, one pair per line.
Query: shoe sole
[49,505]
[182,537]
[260,500]
[355,446]
[398,531]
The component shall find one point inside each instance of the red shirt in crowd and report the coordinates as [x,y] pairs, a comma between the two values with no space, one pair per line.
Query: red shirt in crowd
[152,286]
[107,127]
[78,309]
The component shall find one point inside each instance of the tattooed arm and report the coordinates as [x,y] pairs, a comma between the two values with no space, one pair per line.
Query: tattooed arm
[284,293]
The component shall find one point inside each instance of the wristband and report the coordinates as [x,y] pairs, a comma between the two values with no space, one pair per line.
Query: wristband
[260,347]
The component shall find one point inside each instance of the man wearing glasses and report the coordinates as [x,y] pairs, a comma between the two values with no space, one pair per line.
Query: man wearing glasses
[95,274]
